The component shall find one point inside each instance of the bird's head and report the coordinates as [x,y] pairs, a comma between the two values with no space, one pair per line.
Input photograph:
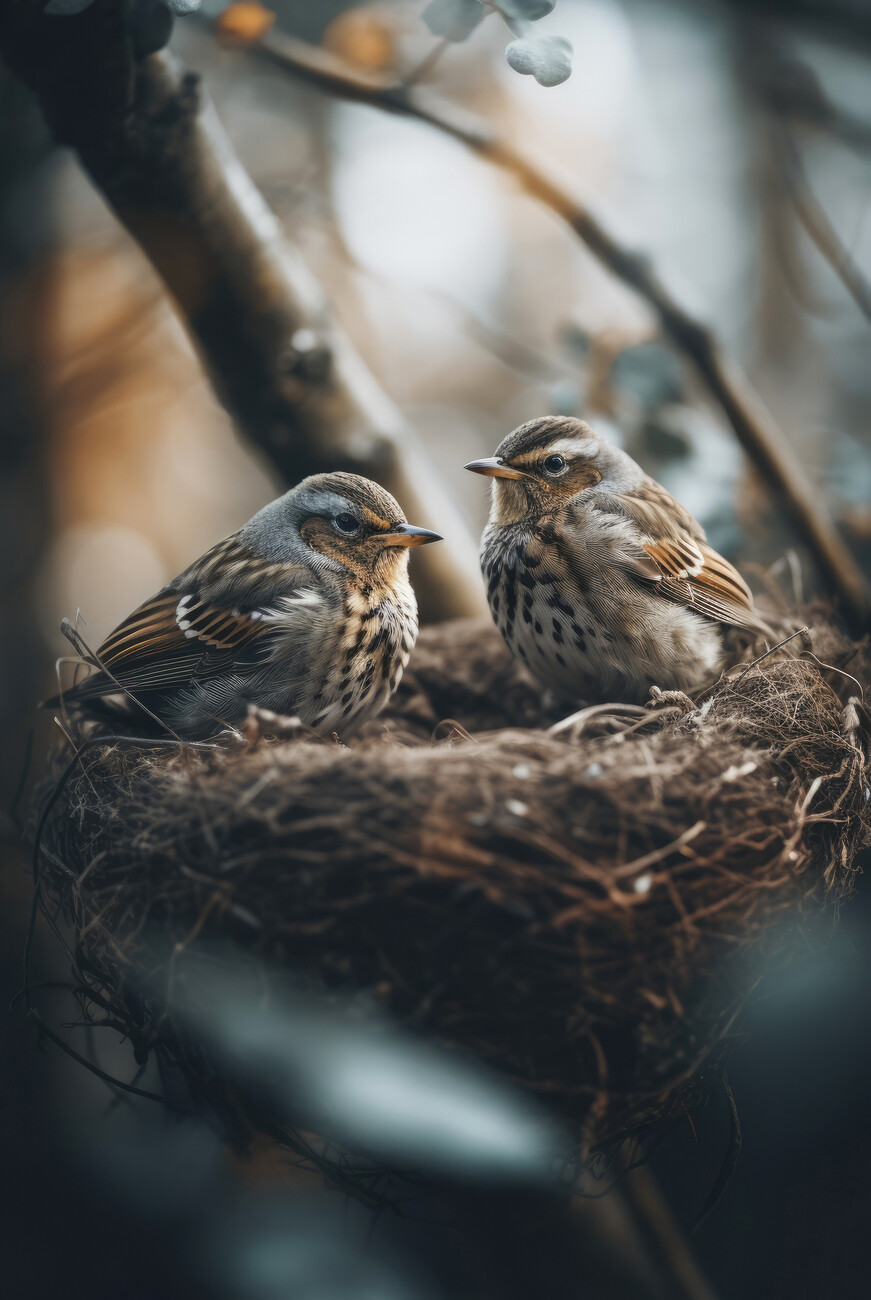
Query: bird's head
[544,464]
[339,521]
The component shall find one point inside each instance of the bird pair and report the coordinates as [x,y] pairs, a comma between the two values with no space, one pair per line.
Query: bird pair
[599,581]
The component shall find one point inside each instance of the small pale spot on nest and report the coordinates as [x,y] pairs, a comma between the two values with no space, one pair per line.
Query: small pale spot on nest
[642,883]
[734,773]
[516,807]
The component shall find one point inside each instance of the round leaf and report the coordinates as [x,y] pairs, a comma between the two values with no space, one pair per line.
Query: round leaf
[547,58]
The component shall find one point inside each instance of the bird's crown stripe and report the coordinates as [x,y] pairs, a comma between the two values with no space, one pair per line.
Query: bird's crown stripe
[583,447]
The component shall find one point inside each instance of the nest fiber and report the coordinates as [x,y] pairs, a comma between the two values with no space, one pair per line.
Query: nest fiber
[585,909]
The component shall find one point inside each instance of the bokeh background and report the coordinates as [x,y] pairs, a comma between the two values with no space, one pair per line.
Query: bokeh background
[476,309]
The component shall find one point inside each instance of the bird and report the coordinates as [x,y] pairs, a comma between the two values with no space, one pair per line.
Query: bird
[600,582]
[305,611]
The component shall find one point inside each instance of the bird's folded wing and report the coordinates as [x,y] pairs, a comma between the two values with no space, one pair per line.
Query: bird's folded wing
[172,639]
[688,570]
[200,626]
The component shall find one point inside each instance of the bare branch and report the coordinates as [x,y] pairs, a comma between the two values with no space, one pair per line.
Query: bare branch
[757,431]
[792,90]
[816,222]
[151,141]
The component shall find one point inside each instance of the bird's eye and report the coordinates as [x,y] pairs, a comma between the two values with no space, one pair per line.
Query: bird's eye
[347,524]
[554,464]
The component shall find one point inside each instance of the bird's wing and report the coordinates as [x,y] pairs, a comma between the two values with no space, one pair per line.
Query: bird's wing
[687,570]
[225,609]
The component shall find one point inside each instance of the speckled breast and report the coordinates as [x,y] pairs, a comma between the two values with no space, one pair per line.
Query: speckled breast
[378,634]
[540,609]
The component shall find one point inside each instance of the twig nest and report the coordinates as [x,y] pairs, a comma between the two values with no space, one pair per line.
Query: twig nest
[585,909]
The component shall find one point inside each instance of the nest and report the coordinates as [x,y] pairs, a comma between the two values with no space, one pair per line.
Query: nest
[586,909]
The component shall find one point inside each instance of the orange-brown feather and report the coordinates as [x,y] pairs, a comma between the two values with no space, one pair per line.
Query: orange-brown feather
[692,572]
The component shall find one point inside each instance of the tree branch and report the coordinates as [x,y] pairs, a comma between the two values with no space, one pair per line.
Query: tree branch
[757,431]
[791,90]
[150,139]
[817,224]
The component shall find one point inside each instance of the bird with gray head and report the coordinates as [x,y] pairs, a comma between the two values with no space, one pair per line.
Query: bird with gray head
[306,611]
[599,581]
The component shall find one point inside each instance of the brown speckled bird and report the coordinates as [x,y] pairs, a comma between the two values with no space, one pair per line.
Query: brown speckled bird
[306,611]
[597,578]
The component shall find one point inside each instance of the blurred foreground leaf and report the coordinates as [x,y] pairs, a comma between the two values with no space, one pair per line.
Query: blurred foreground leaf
[286,1247]
[350,1076]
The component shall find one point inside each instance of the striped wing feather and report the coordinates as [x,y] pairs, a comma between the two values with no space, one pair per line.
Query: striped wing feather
[690,571]
[201,625]
[174,638]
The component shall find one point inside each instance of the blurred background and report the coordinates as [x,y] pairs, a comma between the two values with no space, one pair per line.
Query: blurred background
[729,141]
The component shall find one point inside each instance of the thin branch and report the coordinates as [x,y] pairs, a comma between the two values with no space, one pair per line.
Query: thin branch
[788,90]
[791,90]
[817,224]
[757,431]
[426,65]
[150,139]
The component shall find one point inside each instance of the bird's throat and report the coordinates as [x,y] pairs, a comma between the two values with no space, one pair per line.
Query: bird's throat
[513,502]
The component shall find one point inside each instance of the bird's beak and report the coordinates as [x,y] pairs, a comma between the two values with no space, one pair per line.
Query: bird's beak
[408,535]
[493,467]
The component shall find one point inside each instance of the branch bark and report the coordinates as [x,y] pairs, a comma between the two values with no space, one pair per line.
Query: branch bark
[755,428]
[150,139]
